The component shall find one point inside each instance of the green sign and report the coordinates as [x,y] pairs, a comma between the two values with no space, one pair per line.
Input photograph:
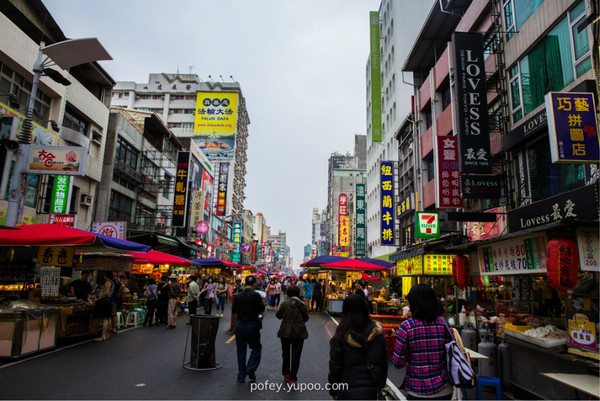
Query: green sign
[60,194]
[360,237]
[375,78]
[427,225]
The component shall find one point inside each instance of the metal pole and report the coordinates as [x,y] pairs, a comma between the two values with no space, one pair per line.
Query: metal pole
[14,212]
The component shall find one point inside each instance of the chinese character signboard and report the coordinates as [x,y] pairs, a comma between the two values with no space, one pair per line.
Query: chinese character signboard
[477,231]
[375,77]
[197,207]
[572,127]
[67,220]
[447,182]
[437,265]
[582,332]
[181,190]
[360,237]
[470,103]
[480,186]
[215,124]
[589,255]
[222,190]
[344,231]
[114,229]
[408,204]
[386,170]
[60,194]
[427,225]
[56,256]
[412,266]
[253,252]
[343,205]
[237,239]
[60,160]
[515,256]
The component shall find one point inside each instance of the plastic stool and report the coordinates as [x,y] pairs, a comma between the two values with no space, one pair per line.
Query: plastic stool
[132,318]
[120,320]
[141,314]
[488,381]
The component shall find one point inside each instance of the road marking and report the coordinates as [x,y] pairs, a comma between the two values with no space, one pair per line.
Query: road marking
[140,384]
[230,339]
[397,393]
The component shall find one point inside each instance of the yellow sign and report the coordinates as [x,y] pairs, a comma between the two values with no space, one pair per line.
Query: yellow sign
[56,256]
[410,266]
[344,230]
[438,265]
[216,113]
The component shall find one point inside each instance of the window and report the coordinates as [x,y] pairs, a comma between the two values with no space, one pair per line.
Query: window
[120,207]
[427,116]
[516,12]
[166,185]
[149,169]
[75,121]
[446,97]
[126,153]
[11,82]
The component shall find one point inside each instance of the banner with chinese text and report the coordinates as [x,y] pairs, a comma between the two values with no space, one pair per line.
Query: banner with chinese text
[514,256]
[447,182]
[181,190]
[387,202]
[360,238]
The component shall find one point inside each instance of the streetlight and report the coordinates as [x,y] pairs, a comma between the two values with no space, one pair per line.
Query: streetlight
[65,54]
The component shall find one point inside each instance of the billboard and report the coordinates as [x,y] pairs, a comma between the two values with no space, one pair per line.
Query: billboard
[215,124]
[360,237]
[375,77]
[65,160]
[447,181]
[387,202]
[470,103]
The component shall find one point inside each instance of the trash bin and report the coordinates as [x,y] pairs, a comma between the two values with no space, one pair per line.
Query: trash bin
[204,334]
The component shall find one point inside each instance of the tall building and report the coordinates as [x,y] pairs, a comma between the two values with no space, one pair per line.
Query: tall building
[279,245]
[396,31]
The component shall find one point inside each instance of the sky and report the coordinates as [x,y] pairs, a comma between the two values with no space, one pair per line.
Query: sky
[301,65]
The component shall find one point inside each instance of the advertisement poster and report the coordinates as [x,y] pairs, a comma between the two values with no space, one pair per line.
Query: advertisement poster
[67,220]
[215,124]
[477,231]
[66,160]
[582,332]
[589,254]
[514,256]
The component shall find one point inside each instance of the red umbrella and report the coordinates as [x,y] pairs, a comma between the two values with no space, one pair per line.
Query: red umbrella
[368,277]
[158,258]
[354,265]
[246,268]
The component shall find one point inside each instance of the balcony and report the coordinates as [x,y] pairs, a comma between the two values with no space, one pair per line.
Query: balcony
[125,169]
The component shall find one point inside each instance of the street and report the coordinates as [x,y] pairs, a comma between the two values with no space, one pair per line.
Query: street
[146,363]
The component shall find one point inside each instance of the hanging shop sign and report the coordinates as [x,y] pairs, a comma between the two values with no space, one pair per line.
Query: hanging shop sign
[480,187]
[447,183]
[437,265]
[343,204]
[56,256]
[476,231]
[407,205]
[514,256]
[572,127]
[237,239]
[222,189]
[344,231]
[412,266]
[67,220]
[525,131]
[202,227]
[104,263]
[375,77]
[114,229]
[470,103]
[360,237]
[387,202]
[427,225]
[180,200]
[580,204]
[197,207]
[60,194]
[589,249]
[59,160]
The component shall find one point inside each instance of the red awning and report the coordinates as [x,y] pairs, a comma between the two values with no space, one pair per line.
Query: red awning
[158,258]
[230,264]
[353,265]
[368,277]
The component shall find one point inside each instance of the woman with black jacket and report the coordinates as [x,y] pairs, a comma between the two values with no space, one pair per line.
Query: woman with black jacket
[358,339]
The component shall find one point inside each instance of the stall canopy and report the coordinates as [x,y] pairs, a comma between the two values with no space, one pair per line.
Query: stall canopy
[319,260]
[207,262]
[353,265]
[268,273]
[368,277]
[55,235]
[246,268]
[158,258]
[378,262]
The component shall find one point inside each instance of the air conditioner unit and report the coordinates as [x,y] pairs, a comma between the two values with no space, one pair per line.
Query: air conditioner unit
[86,200]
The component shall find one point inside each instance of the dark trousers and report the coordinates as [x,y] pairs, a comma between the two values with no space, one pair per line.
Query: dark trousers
[161,310]
[152,303]
[247,334]
[192,307]
[208,305]
[316,303]
[276,299]
[295,346]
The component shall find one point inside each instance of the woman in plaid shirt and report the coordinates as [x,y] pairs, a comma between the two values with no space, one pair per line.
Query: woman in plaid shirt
[420,347]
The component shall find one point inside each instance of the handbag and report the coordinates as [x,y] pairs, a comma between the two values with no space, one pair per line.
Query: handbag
[458,363]
[382,393]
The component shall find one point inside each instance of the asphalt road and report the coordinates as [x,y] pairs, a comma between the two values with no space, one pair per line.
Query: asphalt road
[147,363]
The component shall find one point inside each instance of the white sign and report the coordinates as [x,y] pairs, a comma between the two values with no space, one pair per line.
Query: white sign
[114,229]
[515,256]
[588,243]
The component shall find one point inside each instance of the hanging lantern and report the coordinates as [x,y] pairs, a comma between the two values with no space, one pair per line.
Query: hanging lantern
[461,271]
[563,264]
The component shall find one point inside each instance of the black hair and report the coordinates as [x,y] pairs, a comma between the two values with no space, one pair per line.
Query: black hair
[151,280]
[293,291]
[109,275]
[250,280]
[423,303]
[355,316]
[193,277]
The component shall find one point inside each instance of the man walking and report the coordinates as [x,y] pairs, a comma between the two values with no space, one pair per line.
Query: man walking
[193,291]
[248,305]
[174,291]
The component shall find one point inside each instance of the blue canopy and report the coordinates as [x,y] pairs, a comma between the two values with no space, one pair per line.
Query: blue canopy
[117,243]
[319,260]
[207,262]
[377,262]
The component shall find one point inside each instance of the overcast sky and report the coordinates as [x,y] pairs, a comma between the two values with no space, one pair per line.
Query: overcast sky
[300,63]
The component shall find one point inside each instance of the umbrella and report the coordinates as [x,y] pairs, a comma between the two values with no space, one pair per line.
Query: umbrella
[354,265]
[319,260]
[207,262]
[158,258]
[377,262]
[246,268]
[56,235]
[230,264]
[368,277]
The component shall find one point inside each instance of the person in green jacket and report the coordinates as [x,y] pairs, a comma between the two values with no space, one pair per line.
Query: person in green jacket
[293,315]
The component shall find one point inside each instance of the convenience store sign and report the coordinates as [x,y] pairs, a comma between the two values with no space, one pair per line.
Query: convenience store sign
[515,256]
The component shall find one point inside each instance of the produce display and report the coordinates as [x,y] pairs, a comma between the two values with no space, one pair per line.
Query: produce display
[546,333]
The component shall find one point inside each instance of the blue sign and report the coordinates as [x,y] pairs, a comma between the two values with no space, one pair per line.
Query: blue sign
[387,202]
[572,127]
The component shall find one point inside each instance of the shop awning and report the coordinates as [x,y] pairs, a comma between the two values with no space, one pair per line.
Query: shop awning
[368,277]
[353,265]
[55,235]
[319,260]
[207,262]
[378,262]
[158,258]
[162,239]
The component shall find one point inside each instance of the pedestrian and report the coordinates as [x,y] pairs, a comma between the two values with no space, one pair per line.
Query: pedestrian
[317,296]
[163,300]
[221,292]
[300,284]
[369,294]
[104,305]
[174,290]
[420,346]
[277,296]
[81,288]
[117,296]
[357,357]
[193,292]
[284,287]
[292,332]
[151,293]
[209,294]
[248,307]
[270,290]
[308,293]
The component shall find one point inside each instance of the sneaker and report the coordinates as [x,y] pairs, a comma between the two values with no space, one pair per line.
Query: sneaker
[287,378]
[240,380]
[292,383]
[251,376]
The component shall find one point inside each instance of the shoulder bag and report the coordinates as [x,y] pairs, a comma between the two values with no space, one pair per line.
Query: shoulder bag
[458,363]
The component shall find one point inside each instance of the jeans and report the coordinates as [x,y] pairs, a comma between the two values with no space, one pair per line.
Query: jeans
[295,346]
[276,299]
[208,305]
[221,302]
[247,334]
[152,303]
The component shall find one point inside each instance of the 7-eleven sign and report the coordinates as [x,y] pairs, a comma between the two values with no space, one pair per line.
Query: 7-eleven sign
[427,225]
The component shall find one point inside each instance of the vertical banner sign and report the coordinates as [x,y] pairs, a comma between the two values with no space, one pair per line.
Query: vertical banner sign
[237,239]
[470,103]
[344,230]
[387,202]
[359,236]
[253,252]
[207,188]
[222,193]
[572,127]
[181,180]
[60,194]
[447,183]
[197,207]
[342,211]
[375,78]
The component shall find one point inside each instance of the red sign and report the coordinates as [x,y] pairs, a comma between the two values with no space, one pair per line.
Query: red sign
[447,194]
[253,252]
[343,200]
[67,220]
[207,189]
